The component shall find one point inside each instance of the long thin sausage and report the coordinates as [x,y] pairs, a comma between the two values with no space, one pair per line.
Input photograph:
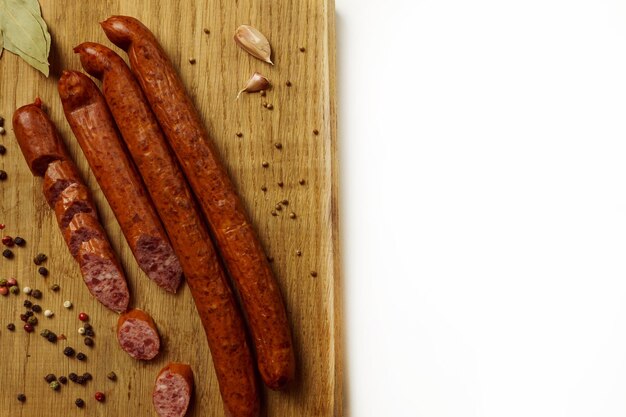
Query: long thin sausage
[91,122]
[76,215]
[235,236]
[223,324]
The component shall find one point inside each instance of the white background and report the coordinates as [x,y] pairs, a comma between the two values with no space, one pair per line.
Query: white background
[483,158]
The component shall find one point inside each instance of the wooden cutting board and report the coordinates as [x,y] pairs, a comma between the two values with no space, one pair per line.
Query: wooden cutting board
[220,70]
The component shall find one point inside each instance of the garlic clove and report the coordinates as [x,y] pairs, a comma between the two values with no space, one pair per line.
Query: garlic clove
[254,42]
[256,83]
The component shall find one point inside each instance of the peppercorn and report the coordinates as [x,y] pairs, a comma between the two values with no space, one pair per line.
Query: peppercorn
[3,150]
[265,164]
[3,175]
[316,132]
[29,328]
[263,188]
[285,202]
[2,226]
[40,258]
[23,317]
[88,341]
[27,290]
[278,207]
[270,106]
[302,49]
[3,282]
[288,83]
[313,274]
[63,379]
[278,145]
[83,317]
[292,215]
[192,61]
[280,183]
[32,320]
[69,352]
[87,376]
[81,356]
[36,294]
[28,303]
[21,397]
[52,337]
[262,92]
[207,31]
[298,253]
[14,290]
[55,385]
[11,282]
[87,326]
[274,213]
[79,402]
[239,134]
[4,290]
[8,241]
[301,182]
[29,313]
[55,287]
[80,380]
[7,253]
[112,376]
[50,377]
[72,376]
[36,307]
[45,333]
[43,271]
[89,332]
[19,241]
[100,396]
[11,326]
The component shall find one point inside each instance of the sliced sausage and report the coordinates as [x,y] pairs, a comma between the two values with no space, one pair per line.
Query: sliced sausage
[173,389]
[138,335]
[37,137]
[74,209]
[90,120]
[59,176]
[102,274]
[222,321]
[236,238]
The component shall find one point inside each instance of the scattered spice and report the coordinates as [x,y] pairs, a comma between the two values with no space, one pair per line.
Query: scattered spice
[313,274]
[262,92]
[15,290]
[32,321]
[29,328]
[298,253]
[270,106]
[63,379]
[54,385]
[8,241]
[257,82]
[55,287]
[192,61]
[89,331]
[40,258]
[274,213]
[2,130]
[316,132]
[11,282]
[79,403]
[288,83]
[27,290]
[28,303]
[11,327]
[3,150]
[100,397]
[280,183]
[81,330]
[292,215]
[302,49]
[48,313]
[43,271]
[69,351]
[254,42]
[278,207]
[67,304]
[112,376]
[29,314]
[52,337]
[87,376]
[83,316]
[36,307]
[81,356]
[50,377]
[72,376]
[207,31]
[285,202]
[278,145]
[21,397]
[264,104]
[263,188]
[239,134]
[2,226]
[265,164]
[7,253]
[24,317]
[19,241]
[36,294]
[45,333]
[3,282]
[88,341]
[3,175]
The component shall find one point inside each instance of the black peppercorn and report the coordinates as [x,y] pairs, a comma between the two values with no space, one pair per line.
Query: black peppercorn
[63,379]
[50,377]
[55,287]
[80,380]
[36,294]
[28,303]
[23,317]
[21,397]
[88,341]
[3,150]
[7,253]
[36,307]
[68,351]
[87,376]
[19,241]
[29,313]
[51,337]
[40,258]
[72,376]
[3,175]
[11,326]
[79,402]
[89,332]
[87,326]
[81,356]
[43,271]
[112,376]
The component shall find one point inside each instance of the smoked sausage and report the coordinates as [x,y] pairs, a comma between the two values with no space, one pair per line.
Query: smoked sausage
[76,214]
[236,239]
[138,335]
[91,122]
[222,321]
[173,389]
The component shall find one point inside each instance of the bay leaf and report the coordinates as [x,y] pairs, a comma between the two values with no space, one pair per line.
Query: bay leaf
[43,67]
[35,10]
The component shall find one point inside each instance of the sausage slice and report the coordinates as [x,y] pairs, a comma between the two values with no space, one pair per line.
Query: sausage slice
[138,335]
[173,389]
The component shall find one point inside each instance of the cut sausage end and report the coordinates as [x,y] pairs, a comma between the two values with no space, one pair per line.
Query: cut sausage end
[158,260]
[59,175]
[138,336]
[172,390]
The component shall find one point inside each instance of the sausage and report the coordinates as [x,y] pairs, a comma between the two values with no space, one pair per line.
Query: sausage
[59,176]
[72,200]
[173,389]
[74,209]
[90,120]
[30,123]
[222,321]
[138,335]
[236,239]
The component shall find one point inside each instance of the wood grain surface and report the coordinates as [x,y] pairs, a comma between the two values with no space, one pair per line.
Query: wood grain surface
[220,70]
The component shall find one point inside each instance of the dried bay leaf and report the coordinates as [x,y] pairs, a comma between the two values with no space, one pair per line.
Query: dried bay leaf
[25,32]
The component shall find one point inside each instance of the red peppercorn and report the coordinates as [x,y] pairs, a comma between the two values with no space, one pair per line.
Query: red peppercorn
[7,241]
[83,317]
[4,290]
[29,328]
[100,396]
[2,226]
[11,282]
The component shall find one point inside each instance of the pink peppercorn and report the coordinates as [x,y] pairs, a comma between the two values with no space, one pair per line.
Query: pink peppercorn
[29,328]
[100,396]
[83,317]
[11,282]
[7,241]
[4,290]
